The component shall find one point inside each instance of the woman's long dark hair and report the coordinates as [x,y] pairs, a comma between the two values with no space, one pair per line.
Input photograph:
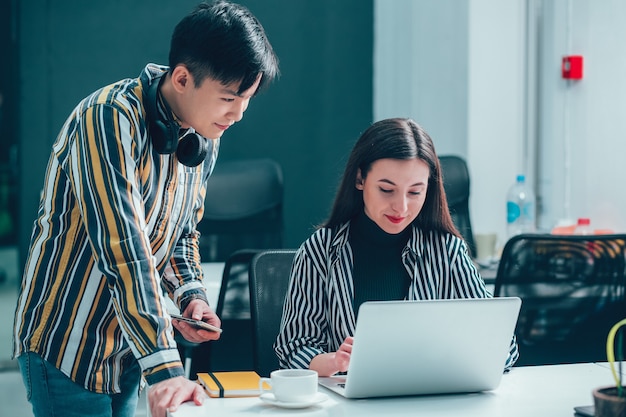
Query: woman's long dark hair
[396,138]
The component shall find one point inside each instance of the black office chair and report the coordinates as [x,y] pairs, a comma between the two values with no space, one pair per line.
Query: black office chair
[243,208]
[572,289]
[243,211]
[269,279]
[233,351]
[456,182]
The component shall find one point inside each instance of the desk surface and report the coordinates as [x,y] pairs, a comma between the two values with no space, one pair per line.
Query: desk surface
[525,391]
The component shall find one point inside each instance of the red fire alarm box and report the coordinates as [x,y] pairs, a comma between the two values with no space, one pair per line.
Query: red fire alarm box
[572,67]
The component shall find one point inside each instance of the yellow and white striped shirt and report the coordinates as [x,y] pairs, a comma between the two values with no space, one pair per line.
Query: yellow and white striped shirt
[116,224]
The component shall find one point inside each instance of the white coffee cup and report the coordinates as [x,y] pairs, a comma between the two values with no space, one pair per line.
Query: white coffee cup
[291,385]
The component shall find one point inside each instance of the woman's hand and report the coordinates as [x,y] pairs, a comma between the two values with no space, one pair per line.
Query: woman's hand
[327,364]
[342,356]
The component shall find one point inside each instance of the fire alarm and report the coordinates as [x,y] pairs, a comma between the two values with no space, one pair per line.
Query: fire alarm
[572,67]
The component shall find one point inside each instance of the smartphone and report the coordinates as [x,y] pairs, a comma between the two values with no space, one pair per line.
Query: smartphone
[199,324]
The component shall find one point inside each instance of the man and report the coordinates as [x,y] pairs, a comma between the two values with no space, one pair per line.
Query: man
[124,190]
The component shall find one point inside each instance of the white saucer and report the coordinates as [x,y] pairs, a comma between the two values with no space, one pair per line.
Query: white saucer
[269,398]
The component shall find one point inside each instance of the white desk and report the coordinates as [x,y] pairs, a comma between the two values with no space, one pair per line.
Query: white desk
[526,391]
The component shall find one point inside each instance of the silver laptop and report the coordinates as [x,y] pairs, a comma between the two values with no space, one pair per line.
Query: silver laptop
[428,347]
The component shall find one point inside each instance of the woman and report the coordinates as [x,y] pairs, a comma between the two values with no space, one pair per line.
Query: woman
[389,237]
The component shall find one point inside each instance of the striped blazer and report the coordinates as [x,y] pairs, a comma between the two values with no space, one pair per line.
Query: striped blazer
[318,312]
[116,224]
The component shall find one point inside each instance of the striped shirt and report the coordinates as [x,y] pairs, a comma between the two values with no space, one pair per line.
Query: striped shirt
[318,312]
[116,226]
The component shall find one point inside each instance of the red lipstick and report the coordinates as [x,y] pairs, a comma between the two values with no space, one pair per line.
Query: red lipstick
[395,220]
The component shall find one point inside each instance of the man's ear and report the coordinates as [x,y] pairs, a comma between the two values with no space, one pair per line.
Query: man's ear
[181,78]
[359,180]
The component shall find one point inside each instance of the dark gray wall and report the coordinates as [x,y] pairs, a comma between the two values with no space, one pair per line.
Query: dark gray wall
[307,121]
[8,126]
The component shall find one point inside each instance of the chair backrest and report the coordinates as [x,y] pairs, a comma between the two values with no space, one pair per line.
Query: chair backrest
[243,213]
[269,279]
[456,182]
[243,208]
[233,301]
[572,289]
[233,351]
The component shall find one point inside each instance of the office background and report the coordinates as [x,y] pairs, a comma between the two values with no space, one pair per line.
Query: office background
[482,76]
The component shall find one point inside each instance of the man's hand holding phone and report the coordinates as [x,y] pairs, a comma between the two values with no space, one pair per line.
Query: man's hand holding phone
[198,331]
[198,324]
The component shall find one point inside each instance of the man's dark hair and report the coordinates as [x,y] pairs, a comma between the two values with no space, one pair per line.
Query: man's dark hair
[225,42]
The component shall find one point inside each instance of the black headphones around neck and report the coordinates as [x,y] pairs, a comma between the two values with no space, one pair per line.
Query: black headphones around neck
[191,150]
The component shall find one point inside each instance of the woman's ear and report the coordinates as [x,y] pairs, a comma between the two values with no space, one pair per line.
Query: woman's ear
[359,180]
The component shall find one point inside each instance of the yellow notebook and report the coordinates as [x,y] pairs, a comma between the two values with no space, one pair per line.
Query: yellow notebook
[230,384]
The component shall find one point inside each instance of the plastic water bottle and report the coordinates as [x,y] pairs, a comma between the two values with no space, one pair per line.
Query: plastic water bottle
[520,208]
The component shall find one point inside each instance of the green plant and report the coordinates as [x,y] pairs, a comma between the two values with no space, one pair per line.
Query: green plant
[610,354]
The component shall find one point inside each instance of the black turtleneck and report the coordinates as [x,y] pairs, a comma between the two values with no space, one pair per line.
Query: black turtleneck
[378,272]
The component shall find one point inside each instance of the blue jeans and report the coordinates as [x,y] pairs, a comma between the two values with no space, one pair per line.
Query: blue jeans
[52,393]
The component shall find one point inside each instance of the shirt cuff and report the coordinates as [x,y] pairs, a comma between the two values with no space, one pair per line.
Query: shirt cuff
[161,366]
[192,295]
